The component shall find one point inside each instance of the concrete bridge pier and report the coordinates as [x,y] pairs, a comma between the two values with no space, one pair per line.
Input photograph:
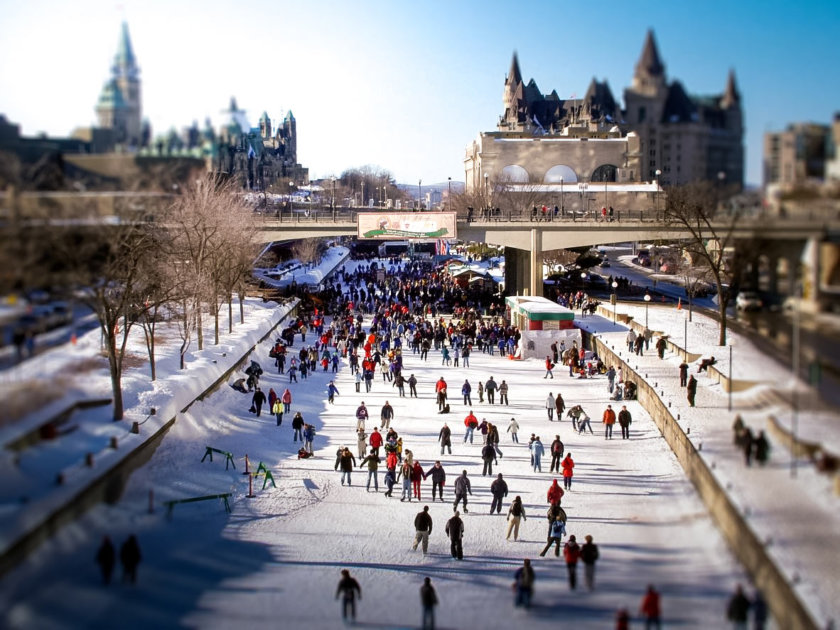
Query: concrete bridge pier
[523,268]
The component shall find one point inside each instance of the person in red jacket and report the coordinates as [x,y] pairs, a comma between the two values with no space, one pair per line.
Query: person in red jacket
[549,366]
[555,493]
[568,471]
[571,554]
[609,421]
[471,422]
[650,608]
[375,441]
[416,478]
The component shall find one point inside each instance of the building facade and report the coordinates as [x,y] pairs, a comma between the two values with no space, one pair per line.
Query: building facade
[119,105]
[801,153]
[663,135]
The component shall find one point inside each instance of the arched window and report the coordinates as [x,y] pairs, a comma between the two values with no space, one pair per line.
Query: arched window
[604,173]
[558,172]
[515,174]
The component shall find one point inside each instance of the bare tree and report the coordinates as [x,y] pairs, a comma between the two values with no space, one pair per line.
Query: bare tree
[307,251]
[520,198]
[694,209]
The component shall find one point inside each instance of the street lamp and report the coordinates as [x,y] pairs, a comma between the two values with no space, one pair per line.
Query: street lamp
[449,196]
[486,193]
[562,213]
[731,343]
[647,301]
[420,194]
[332,199]
[656,194]
[291,204]
[614,299]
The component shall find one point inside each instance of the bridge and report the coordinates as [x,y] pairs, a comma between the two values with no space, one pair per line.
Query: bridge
[524,239]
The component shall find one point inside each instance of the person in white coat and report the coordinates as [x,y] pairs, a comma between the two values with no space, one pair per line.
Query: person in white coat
[513,429]
[549,406]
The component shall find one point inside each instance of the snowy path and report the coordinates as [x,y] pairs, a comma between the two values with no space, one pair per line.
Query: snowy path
[276,559]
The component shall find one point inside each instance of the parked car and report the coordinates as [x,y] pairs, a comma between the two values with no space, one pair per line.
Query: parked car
[748,301]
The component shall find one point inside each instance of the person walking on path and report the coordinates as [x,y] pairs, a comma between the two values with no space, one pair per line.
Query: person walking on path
[691,390]
[559,406]
[549,407]
[257,401]
[346,462]
[375,441]
[549,366]
[455,531]
[372,461]
[440,393]
[361,416]
[422,529]
[651,608]
[583,423]
[480,392]
[524,583]
[438,476]
[488,456]
[445,438]
[513,429]
[297,425]
[493,438]
[589,555]
[349,590]
[130,557]
[499,490]
[106,557]
[277,410]
[471,422]
[571,554]
[516,512]
[624,421]
[557,450]
[555,493]
[287,400]
[631,339]
[609,421]
[462,489]
[558,530]
[568,465]
[611,379]
[661,345]
[428,600]
[466,390]
[490,388]
[537,452]
[386,415]
[405,471]
[683,373]
[503,393]
[738,609]
[416,477]
[412,386]
[361,442]
[332,390]
[308,438]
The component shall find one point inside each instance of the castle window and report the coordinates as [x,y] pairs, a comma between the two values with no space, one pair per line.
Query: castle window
[642,114]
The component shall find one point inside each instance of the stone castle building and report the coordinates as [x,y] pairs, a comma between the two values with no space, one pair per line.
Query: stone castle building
[662,136]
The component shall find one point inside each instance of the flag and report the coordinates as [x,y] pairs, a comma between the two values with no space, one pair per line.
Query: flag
[679,304]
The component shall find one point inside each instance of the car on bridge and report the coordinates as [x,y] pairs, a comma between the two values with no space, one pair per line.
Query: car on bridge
[748,301]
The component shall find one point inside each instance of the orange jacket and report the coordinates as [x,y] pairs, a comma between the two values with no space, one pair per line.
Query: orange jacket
[609,416]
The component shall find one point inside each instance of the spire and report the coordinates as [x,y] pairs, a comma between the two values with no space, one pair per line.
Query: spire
[649,63]
[124,58]
[731,96]
[514,76]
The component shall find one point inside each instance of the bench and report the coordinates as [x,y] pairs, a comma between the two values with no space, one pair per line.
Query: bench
[170,505]
[228,457]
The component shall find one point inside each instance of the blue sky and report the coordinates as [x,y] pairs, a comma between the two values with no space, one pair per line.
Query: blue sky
[406,85]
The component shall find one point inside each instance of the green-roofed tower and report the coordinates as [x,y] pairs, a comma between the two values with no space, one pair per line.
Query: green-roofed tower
[119,107]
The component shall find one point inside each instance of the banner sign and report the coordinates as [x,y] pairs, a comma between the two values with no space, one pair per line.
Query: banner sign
[406,225]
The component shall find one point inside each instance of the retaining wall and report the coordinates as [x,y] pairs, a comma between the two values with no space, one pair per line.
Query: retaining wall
[788,610]
[108,487]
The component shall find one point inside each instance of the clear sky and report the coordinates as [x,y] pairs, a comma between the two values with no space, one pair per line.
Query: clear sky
[406,85]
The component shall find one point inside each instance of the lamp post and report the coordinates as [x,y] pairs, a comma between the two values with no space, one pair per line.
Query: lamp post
[656,194]
[614,299]
[332,199]
[419,194]
[363,194]
[449,195]
[562,212]
[486,192]
[730,374]
[291,204]
[647,301]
